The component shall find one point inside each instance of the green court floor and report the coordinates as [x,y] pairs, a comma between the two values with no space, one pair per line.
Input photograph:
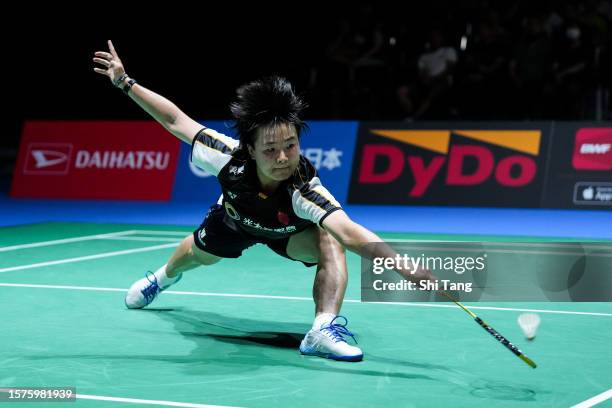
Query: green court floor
[227,335]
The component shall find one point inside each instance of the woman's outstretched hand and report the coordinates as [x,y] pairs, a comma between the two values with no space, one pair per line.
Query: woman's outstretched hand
[112,66]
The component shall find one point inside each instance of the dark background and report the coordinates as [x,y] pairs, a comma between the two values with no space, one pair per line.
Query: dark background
[197,54]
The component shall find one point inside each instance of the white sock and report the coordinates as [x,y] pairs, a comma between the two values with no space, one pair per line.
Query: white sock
[164,280]
[322,319]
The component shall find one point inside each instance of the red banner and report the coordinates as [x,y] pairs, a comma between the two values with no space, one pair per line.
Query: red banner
[593,149]
[133,160]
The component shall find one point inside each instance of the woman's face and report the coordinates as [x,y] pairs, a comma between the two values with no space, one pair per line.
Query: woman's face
[276,152]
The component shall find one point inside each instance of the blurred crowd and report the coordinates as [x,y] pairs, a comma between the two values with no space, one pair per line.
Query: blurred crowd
[469,60]
[422,60]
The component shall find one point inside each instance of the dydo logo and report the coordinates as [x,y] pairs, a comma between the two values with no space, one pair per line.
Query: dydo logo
[466,164]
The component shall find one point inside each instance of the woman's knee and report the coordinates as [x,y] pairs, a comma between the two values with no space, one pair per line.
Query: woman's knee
[199,255]
[304,246]
[314,245]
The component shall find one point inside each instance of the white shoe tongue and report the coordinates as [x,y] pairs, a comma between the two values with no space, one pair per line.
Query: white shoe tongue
[322,320]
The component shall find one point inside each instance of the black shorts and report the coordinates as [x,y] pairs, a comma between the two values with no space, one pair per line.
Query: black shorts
[217,238]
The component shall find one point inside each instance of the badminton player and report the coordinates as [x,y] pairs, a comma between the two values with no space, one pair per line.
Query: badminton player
[271,195]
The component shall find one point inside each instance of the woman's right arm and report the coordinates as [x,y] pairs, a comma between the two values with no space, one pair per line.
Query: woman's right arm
[160,108]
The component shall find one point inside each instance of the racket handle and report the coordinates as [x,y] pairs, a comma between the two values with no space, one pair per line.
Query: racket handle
[505,342]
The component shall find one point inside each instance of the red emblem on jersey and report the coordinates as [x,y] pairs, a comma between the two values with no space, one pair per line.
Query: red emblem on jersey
[283,218]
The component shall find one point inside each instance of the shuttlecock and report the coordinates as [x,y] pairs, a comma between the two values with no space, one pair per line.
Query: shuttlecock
[529,323]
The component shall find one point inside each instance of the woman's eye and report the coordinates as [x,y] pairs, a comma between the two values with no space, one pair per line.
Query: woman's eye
[291,146]
[269,151]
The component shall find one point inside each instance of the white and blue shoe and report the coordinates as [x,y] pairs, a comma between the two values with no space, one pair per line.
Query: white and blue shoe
[328,342]
[144,291]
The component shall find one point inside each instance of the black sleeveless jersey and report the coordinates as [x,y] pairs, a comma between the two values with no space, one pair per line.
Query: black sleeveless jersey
[296,204]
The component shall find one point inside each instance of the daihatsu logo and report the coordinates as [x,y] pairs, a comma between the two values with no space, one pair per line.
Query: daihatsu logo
[48,158]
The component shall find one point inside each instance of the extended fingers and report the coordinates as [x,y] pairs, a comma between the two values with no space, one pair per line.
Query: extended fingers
[104,54]
[102,61]
[112,48]
[101,71]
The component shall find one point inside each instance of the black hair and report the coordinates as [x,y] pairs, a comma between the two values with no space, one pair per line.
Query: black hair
[267,101]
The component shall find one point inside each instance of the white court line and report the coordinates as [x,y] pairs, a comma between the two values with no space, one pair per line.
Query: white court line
[119,235]
[157,232]
[159,239]
[66,240]
[140,401]
[307,299]
[606,395]
[88,257]
[28,285]
[149,402]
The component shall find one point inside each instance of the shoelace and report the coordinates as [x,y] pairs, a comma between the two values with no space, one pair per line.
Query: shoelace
[150,291]
[336,330]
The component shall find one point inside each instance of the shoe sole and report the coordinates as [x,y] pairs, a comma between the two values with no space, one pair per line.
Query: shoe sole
[143,306]
[331,356]
[131,307]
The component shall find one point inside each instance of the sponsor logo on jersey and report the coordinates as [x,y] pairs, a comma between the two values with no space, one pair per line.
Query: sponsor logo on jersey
[282,230]
[236,170]
[231,211]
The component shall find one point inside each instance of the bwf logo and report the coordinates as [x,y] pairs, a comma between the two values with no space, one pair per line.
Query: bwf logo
[593,149]
[48,158]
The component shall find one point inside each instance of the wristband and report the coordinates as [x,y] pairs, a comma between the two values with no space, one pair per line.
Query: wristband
[120,79]
[129,85]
